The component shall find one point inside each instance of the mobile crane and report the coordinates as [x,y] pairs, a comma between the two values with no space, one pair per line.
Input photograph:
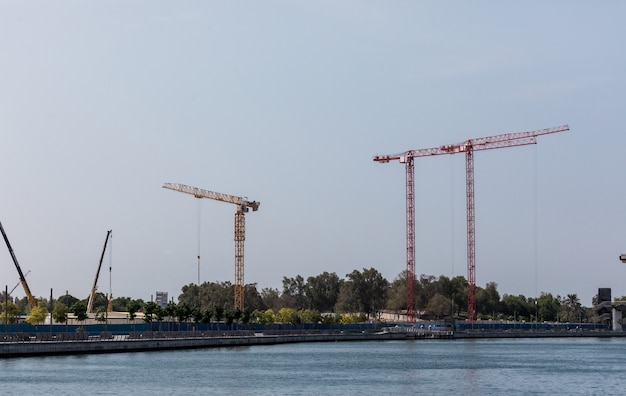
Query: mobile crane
[95,282]
[29,296]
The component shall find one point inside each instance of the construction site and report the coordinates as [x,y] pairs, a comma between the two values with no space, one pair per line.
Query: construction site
[107,322]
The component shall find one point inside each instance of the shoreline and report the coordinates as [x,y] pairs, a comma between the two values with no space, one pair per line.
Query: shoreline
[164,341]
[121,344]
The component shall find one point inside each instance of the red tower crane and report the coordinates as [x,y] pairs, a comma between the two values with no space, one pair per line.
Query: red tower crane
[468,147]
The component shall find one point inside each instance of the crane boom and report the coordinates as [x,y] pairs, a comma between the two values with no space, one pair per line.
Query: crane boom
[29,295]
[484,143]
[240,228]
[200,193]
[92,295]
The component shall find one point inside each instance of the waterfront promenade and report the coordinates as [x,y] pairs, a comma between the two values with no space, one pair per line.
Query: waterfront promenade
[20,345]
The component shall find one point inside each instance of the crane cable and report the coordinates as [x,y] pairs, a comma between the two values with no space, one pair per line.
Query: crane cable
[452,218]
[110,267]
[199,234]
[536,228]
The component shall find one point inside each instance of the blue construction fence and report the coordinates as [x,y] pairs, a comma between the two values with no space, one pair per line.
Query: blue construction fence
[126,328]
[505,326]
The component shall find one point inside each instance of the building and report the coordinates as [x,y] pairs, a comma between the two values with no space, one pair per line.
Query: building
[161,299]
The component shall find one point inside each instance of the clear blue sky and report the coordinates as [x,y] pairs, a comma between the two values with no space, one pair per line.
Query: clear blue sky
[286,103]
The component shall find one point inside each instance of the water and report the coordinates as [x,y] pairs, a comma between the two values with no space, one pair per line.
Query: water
[586,366]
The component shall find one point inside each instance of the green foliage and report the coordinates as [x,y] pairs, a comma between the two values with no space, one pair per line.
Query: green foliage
[37,314]
[310,316]
[229,317]
[59,313]
[270,298]
[183,312]
[149,311]
[9,312]
[207,314]
[439,306]
[101,315]
[396,295]
[133,307]
[264,317]
[287,315]
[363,292]
[79,309]
[322,291]
[100,302]
[170,310]
[346,319]
[219,312]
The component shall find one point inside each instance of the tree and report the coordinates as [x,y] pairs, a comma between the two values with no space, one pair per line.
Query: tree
[271,298]
[516,307]
[425,288]
[571,309]
[288,315]
[100,315]
[37,314]
[246,316]
[59,313]
[347,300]
[310,316]
[396,296]
[252,297]
[120,304]
[67,299]
[294,292]
[548,307]
[170,310]
[100,302]
[229,317]
[132,308]
[197,314]
[439,306]
[322,291]
[219,312]
[79,309]
[208,295]
[370,289]
[264,317]
[183,312]
[488,299]
[207,314]
[9,311]
[149,311]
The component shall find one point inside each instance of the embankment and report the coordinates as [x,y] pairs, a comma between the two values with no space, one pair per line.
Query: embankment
[159,342]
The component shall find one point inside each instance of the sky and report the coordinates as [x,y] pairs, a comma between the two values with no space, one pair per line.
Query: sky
[286,103]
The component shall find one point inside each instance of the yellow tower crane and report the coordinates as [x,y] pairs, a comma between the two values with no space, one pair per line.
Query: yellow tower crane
[243,205]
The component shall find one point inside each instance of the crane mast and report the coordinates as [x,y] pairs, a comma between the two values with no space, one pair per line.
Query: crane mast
[92,295]
[468,147]
[29,295]
[243,206]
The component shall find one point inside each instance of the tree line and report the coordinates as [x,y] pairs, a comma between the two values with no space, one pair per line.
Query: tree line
[325,298]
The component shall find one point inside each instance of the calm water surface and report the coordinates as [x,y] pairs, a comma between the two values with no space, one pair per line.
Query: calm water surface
[471,367]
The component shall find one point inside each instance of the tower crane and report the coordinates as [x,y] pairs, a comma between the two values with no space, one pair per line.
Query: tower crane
[29,296]
[243,206]
[468,147]
[92,295]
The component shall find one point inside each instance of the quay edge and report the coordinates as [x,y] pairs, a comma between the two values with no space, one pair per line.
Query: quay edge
[127,344]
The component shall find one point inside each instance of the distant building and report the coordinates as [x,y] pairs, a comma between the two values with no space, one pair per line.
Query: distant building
[604,306]
[161,299]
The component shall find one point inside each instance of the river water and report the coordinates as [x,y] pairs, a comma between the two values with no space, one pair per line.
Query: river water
[565,366]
